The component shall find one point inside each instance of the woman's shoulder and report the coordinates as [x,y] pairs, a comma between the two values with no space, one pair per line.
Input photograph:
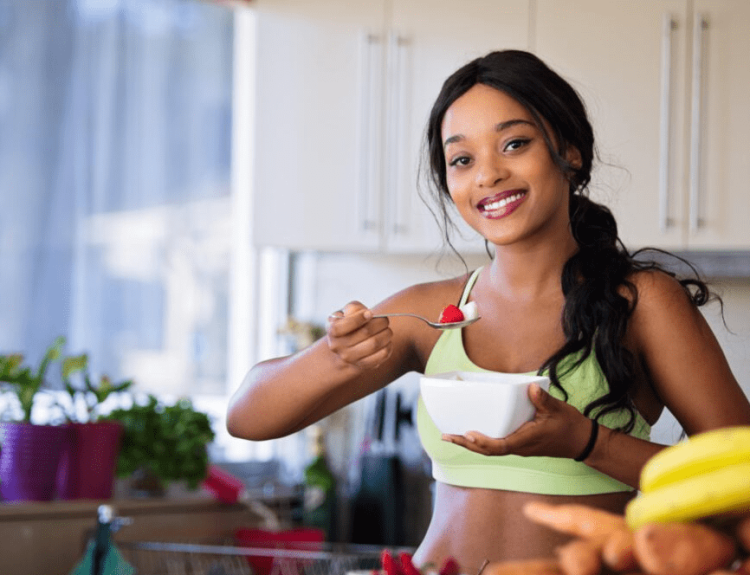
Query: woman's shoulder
[657,288]
[662,304]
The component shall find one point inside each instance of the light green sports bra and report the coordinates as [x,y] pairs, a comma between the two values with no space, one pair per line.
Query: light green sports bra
[456,465]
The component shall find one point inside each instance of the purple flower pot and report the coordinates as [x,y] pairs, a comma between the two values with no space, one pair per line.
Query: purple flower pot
[29,459]
[87,464]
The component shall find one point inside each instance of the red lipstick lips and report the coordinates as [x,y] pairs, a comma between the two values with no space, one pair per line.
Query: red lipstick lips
[502,204]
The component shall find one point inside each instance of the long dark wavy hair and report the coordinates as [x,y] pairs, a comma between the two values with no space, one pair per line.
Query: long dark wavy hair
[596,313]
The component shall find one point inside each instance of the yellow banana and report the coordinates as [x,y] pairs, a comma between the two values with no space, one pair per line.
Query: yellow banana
[702,453]
[723,490]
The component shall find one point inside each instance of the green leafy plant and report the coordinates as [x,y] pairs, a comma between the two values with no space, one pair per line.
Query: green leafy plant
[25,382]
[170,441]
[85,397]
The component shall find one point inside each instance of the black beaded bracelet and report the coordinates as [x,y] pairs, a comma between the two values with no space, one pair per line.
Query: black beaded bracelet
[592,441]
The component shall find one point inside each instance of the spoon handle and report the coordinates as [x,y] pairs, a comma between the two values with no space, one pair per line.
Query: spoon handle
[396,315]
[435,324]
[403,314]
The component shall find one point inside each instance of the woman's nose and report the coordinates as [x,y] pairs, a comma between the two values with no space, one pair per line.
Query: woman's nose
[490,171]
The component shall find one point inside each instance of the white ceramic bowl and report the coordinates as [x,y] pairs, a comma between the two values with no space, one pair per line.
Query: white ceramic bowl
[492,403]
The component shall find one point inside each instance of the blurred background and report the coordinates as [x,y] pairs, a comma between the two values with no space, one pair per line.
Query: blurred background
[191,186]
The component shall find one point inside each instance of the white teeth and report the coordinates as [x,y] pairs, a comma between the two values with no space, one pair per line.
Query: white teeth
[502,203]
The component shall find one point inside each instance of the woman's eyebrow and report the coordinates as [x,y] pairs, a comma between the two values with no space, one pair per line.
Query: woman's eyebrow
[498,128]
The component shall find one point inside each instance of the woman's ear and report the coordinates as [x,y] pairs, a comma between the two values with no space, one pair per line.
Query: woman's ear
[573,157]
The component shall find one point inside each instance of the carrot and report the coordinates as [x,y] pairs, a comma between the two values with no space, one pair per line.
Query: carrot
[531,567]
[618,552]
[581,520]
[743,533]
[682,549]
[579,557]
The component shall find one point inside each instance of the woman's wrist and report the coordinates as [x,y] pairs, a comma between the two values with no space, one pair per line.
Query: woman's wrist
[587,450]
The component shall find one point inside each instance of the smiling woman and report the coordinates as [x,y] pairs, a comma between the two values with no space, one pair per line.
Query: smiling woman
[620,339]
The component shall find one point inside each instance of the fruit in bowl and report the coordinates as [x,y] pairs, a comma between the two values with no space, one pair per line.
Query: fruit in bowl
[495,404]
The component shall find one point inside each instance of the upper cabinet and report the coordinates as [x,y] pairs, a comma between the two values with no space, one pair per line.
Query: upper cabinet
[344,89]
[667,84]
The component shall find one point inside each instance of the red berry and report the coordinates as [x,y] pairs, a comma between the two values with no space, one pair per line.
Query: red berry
[450,567]
[389,563]
[451,314]
[407,567]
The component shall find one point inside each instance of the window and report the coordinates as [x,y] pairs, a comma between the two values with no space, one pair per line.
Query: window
[116,227]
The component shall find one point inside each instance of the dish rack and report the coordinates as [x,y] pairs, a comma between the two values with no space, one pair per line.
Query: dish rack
[154,558]
[297,551]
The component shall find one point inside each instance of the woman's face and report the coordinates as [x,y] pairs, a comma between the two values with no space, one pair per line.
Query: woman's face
[499,171]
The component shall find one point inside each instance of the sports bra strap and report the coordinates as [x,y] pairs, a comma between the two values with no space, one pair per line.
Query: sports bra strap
[469,285]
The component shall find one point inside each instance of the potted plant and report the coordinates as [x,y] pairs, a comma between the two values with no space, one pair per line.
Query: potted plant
[162,444]
[30,452]
[87,466]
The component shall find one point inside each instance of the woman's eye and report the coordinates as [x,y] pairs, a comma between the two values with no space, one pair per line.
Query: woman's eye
[460,161]
[516,144]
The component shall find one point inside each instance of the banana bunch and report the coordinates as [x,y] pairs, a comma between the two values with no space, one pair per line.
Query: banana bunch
[708,474]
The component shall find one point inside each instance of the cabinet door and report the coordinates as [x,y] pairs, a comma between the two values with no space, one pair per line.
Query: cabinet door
[628,61]
[430,39]
[719,214]
[318,88]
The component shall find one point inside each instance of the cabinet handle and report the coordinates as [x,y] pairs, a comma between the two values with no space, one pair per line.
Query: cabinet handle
[699,26]
[665,122]
[395,131]
[369,130]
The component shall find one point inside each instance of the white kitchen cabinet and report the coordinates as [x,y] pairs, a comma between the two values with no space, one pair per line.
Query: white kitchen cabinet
[667,84]
[344,88]
[721,213]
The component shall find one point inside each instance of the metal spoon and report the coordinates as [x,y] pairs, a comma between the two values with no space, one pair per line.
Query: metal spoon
[434,324]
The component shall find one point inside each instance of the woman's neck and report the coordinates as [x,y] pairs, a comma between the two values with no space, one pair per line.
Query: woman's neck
[528,271]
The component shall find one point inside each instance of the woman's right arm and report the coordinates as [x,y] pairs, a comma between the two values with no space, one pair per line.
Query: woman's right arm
[359,355]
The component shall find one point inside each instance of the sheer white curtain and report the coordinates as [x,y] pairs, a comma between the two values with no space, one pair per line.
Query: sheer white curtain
[115,141]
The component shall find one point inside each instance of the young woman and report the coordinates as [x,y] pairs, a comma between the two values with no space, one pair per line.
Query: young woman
[511,147]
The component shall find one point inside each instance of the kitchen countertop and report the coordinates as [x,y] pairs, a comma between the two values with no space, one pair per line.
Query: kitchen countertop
[50,536]
[711,264]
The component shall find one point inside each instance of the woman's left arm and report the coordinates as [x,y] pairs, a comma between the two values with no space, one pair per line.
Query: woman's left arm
[683,360]
[686,368]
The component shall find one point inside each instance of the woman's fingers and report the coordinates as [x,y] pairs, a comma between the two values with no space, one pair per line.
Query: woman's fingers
[364,353]
[352,316]
[358,338]
[479,443]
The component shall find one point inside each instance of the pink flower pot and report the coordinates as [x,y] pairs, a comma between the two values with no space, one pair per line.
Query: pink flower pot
[88,463]
[29,459]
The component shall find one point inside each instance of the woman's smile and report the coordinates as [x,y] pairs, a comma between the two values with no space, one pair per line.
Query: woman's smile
[502,204]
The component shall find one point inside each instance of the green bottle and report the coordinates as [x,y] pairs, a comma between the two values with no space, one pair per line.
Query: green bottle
[319,505]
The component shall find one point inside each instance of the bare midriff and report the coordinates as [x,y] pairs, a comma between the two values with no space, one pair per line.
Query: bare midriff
[478,525]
